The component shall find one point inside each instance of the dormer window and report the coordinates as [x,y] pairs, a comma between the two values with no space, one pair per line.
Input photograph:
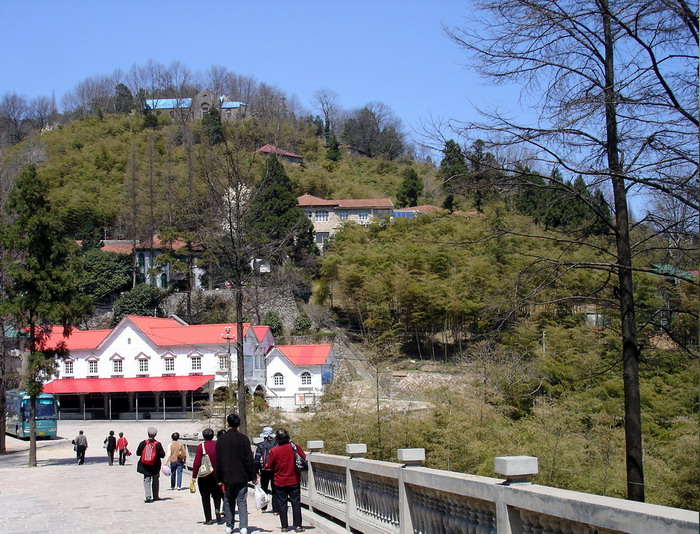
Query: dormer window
[92,366]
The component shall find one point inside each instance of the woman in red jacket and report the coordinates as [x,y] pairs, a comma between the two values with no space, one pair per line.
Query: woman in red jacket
[287,479]
[208,488]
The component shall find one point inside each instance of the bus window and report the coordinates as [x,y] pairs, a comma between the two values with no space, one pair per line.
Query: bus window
[45,409]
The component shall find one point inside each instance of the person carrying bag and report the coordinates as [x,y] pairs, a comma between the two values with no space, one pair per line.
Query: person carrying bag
[203,470]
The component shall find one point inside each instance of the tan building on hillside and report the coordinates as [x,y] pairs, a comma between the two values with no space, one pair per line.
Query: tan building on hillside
[328,216]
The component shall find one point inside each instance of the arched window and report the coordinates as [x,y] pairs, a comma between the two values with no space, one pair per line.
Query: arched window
[164,281]
[278,379]
[305,378]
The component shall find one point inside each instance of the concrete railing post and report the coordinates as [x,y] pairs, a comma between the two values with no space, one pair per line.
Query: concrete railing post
[516,470]
[312,447]
[409,458]
[355,451]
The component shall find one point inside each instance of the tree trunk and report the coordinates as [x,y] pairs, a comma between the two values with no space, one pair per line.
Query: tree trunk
[32,431]
[240,359]
[630,348]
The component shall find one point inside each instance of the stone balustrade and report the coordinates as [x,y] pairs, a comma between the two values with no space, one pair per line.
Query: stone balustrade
[374,497]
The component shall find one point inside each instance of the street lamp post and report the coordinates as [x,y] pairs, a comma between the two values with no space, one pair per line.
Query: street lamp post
[227,336]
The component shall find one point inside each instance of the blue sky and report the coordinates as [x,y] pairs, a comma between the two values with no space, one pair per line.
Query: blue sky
[391,51]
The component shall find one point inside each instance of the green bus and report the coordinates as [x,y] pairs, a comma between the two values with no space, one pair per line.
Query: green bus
[17,418]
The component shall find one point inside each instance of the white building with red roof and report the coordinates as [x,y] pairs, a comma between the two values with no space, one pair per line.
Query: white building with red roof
[328,216]
[297,374]
[154,365]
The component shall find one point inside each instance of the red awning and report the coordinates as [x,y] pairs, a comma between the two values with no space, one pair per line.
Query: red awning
[126,385]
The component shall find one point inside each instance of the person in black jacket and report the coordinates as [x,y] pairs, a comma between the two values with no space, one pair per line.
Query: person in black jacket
[150,472]
[111,445]
[234,469]
[262,453]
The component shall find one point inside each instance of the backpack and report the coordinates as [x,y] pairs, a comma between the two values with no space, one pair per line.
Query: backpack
[267,447]
[148,456]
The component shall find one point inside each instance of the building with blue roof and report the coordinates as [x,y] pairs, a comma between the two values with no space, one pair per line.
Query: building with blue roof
[197,107]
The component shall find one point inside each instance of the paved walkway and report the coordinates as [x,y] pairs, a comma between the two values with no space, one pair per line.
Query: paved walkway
[59,496]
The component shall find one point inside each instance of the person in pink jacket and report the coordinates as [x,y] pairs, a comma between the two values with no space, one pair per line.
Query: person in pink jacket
[208,488]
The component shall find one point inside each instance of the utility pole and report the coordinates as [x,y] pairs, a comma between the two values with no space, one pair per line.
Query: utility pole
[227,336]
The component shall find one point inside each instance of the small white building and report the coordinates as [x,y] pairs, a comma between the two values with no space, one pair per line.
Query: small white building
[297,375]
[153,365]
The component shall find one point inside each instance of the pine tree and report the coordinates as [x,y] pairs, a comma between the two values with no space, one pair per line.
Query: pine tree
[453,168]
[410,189]
[43,288]
[274,218]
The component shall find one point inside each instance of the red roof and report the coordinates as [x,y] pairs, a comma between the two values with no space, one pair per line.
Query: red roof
[260,332]
[157,244]
[169,332]
[78,339]
[120,246]
[127,385]
[164,332]
[271,149]
[385,203]
[310,201]
[305,354]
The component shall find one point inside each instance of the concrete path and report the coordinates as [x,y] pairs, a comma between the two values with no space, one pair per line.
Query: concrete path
[59,496]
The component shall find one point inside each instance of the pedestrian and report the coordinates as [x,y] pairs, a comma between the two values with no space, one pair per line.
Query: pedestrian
[234,469]
[121,447]
[208,488]
[287,479]
[80,445]
[176,457]
[110,443]
[262,453]
[150,453]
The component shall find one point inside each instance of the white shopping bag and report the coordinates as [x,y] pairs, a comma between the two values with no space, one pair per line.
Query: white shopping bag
[261,499]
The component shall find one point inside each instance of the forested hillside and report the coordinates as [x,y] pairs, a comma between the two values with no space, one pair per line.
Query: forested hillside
[510,289]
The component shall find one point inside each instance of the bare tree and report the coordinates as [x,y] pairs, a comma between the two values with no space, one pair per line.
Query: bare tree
[326,101]
[616,107]
[14,115]
[42,112]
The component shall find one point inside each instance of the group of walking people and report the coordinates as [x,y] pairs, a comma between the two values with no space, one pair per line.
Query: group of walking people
[222,468]
[111,444]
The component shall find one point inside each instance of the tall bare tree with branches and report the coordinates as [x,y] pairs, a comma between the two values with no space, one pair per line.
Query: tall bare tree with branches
[615,85]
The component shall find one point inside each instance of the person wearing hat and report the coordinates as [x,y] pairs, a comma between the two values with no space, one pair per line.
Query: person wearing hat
[262,453]
[150,452]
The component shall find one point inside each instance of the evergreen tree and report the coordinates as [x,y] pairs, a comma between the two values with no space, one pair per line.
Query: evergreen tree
[410,189]
[274,219]
[104,274]
[453,168]
[123,99]
[213,127]
[333,148]
[43,288]
[484,173]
